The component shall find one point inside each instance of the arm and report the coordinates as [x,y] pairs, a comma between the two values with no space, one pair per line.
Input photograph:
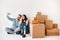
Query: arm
[17,29]
[26,22]
[9,17]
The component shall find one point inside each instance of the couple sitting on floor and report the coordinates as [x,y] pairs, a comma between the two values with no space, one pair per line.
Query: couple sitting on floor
[20,25]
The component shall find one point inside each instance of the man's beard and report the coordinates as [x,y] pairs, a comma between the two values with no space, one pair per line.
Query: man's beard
[18,19]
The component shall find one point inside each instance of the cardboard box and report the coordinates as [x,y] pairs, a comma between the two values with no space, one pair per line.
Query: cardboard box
[37,30]
[55,25]
[35,21]
[59,32]
[41,18]
[52,32]
[38,14]
[48,24]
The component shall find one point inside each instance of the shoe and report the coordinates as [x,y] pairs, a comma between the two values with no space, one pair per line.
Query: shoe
[9,33]
[18,32]
[24,36]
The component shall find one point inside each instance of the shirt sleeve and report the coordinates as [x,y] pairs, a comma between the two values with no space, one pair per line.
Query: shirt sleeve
[11,19]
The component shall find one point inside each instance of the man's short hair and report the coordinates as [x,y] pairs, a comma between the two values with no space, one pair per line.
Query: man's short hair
[20,15]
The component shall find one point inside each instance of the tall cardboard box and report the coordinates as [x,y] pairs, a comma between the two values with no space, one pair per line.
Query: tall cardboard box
[48,24]
[37,30]
[52,32]
[55,26]
[41,18]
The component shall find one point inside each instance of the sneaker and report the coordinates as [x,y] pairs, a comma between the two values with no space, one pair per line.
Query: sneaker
[24,36]
[9,33]
[18,32]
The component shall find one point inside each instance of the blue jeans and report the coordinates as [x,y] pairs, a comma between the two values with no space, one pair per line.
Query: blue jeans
[23,26]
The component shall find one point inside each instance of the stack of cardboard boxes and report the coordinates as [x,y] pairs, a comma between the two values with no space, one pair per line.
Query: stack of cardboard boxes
[41,26]
[51,29]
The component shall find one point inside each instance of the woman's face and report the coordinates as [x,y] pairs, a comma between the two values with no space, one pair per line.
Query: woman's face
[23,17]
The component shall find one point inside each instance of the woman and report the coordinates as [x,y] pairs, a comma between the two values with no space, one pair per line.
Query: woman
[24,25]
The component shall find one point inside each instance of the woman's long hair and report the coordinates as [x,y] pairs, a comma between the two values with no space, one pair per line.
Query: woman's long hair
[25,17]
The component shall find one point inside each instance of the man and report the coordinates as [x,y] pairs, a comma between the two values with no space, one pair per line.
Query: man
[15,24]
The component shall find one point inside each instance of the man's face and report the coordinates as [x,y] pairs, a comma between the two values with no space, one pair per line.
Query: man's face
[18,17]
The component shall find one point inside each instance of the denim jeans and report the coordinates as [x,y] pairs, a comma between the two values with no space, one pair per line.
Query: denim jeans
[23,26]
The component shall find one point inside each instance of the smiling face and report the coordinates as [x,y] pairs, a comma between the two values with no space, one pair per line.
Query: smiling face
[23,17]
[18,17]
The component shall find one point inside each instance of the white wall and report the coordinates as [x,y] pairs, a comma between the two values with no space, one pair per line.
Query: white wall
[29,7]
